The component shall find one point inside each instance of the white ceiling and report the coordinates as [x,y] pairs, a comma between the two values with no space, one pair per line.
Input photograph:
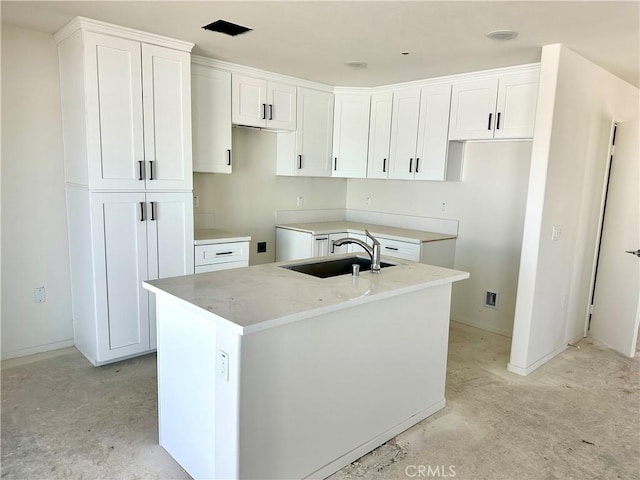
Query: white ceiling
[313,40]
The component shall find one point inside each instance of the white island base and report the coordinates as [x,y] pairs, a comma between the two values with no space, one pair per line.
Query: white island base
[304,398]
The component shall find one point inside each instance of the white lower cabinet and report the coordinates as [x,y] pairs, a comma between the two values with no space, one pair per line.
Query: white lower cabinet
[295,245]
[221,256]
[117,241]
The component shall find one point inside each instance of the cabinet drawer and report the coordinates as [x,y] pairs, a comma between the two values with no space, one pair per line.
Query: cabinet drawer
[222,253]
[398,249]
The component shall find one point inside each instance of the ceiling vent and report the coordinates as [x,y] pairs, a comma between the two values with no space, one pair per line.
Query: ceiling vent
[227,28]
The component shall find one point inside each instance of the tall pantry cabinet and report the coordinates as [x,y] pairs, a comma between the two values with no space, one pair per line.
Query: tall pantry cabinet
[126,109]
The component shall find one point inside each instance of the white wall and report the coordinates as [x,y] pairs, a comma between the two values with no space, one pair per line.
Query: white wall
[577,103]
[249,197]
[489,204]
[34,225]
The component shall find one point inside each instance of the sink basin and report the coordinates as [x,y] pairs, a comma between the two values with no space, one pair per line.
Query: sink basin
[333,268]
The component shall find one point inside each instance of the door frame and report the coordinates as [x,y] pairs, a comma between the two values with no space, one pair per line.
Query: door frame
[603,207]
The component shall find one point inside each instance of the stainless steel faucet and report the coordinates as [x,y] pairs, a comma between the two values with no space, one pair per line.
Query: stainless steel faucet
[374,251]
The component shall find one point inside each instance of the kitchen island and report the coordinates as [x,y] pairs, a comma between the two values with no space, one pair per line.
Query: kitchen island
[265,372]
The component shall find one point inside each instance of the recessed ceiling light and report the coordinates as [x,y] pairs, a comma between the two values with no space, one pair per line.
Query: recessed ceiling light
[502,35]
[227,28]
[356,64]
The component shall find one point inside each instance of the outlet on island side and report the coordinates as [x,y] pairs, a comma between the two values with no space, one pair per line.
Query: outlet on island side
[262,247]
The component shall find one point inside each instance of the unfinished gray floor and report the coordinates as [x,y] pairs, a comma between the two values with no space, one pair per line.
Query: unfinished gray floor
[577,417]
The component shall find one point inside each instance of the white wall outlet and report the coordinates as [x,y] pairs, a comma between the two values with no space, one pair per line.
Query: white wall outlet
[39,295]
[223,365]
[196,201]
[299,200]
[443,207]
[367,201]
[556,231]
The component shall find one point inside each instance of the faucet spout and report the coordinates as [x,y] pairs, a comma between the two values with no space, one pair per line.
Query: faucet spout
[373,251]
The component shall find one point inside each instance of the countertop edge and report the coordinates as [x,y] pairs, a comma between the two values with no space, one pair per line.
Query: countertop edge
[372,229]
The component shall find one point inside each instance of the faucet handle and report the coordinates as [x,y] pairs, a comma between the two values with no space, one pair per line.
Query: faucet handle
[374,239]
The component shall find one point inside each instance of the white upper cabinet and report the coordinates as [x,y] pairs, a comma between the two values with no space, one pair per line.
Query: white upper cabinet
[211,113]
[516,108]
[259,103]
[433,128]
[129,103]
[350,135]
[314,134]
[166,90]
[379,135]
[404,133]
[419,128]
[500,107]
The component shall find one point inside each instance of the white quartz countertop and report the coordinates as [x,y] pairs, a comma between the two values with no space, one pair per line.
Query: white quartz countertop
[211,236]
[402,234]
[255,298]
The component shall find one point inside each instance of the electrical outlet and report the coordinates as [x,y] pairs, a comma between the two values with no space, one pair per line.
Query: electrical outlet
[223,365]
[443,207]
[299,201]
[491,299]
[39,295]
[367,201]
[556,231]
[196,201]
[262,247]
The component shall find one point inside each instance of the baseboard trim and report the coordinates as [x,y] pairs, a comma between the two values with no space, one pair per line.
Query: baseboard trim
[482,326]
[524,371]
[23,352]
[375,442]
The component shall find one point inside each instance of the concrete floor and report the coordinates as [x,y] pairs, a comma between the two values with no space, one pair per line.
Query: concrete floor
[577,417]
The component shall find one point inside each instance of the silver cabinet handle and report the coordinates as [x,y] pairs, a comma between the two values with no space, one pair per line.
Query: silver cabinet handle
[229,157]
[140,169]
[153,211]
[142,212]
[151,176]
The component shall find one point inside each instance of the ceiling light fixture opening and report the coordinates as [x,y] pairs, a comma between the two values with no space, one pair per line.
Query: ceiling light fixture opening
[228,28]
[502,35]
[356,64]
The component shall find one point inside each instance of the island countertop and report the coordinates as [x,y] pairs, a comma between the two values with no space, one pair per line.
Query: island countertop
[255,298]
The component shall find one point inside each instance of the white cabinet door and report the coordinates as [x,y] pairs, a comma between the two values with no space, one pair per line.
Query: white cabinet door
[379,135]
[114,112]
[169,219]
[473,106]
[248,101]
[320,246]
[313,138]
[293,245]
[120,266]
[350,135]
[281,106]
[166,77]
[211,113]
[431,153]
[404,133]
[516,107]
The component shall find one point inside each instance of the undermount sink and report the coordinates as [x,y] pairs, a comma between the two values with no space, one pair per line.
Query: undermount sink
[333,268]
